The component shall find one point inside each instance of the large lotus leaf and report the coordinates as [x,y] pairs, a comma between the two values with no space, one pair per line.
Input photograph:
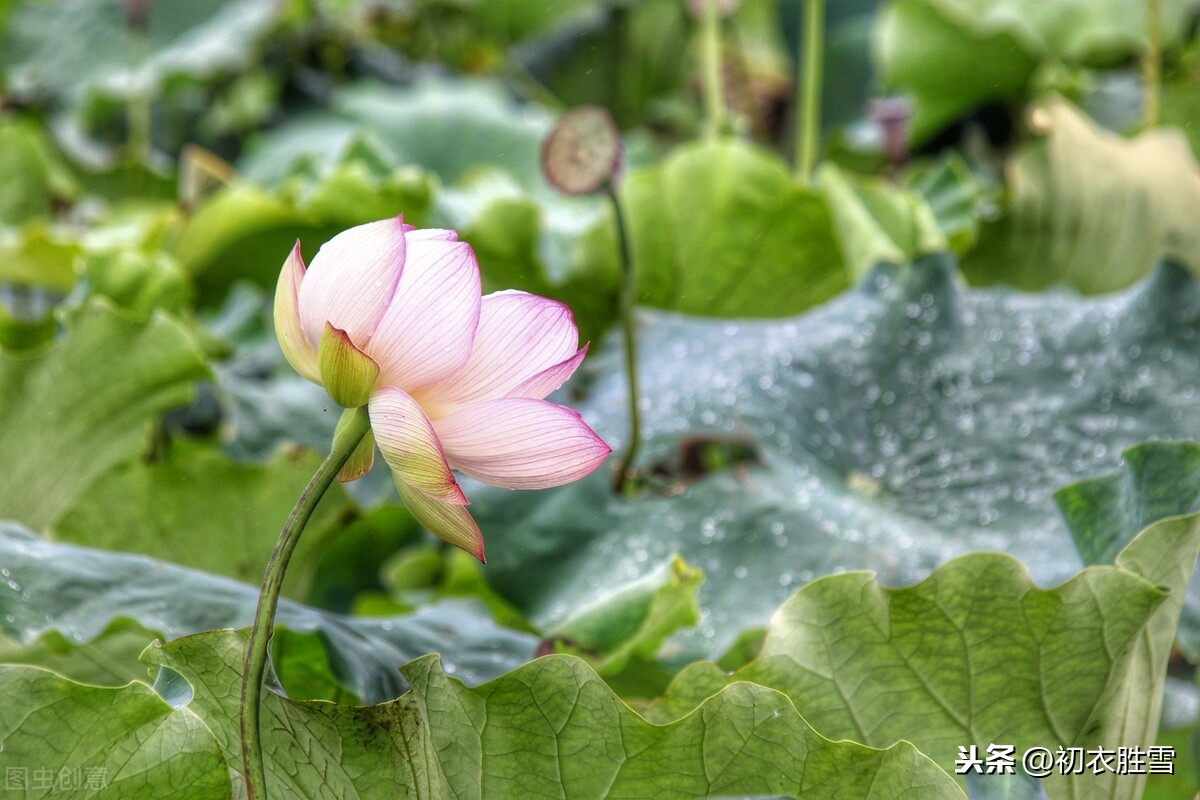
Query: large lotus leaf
[948,70]
[64,739]
[75,409]
[201,510]
[977,654]
[721,228]
[111,659]
[1091,209]
[955,55]
[1157,480]
[903,423]
[1085,31]
[77,592]
[74,48]
[447,127]
[550,728]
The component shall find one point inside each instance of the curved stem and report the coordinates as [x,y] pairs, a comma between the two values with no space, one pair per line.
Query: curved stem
[629,324]
[808,101]
[353,427]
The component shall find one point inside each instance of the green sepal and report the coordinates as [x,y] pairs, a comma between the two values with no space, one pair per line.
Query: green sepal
[348,373]
[363,457]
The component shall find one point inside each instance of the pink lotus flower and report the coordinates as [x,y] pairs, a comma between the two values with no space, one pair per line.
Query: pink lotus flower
[391,317]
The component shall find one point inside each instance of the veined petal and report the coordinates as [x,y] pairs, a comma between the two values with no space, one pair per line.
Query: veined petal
[549,379]
[444,234]
[296,347]
[348,373]
[520,336]
[410,445]
[449,522]
[352,279]
[521,443]
[427,332]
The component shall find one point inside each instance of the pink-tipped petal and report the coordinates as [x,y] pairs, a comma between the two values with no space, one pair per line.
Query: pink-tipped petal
[520,336]
[296,346]
[549,379]
[427,332]
[521,443]
[352,279]
[410,445]
[449,522]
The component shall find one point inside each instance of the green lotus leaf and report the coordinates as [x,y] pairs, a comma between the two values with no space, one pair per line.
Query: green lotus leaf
[78,407]
[1067,190]
[721,228]
[110,659]
[73,49]
[953,56]
[446,127]
[949,70]
[1157,480]
[549,727]
[201,510]
[977,654]
[65,739]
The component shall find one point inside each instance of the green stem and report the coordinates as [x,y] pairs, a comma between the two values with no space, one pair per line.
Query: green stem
[355,426]
[714,92]
[808,90]
[137,111]
[629,323]
[1152,64]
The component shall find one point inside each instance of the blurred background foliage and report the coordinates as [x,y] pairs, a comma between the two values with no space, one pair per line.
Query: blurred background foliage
[159,158]
[210,136]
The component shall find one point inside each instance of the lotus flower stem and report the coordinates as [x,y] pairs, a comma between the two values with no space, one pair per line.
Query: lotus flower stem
[808,96]
[1152,64]
[344,444]
[714,91]
[629,324]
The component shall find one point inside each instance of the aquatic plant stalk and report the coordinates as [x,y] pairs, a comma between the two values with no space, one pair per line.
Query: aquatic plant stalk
[808,90]
[254,669]
[628,300]
[714,90]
